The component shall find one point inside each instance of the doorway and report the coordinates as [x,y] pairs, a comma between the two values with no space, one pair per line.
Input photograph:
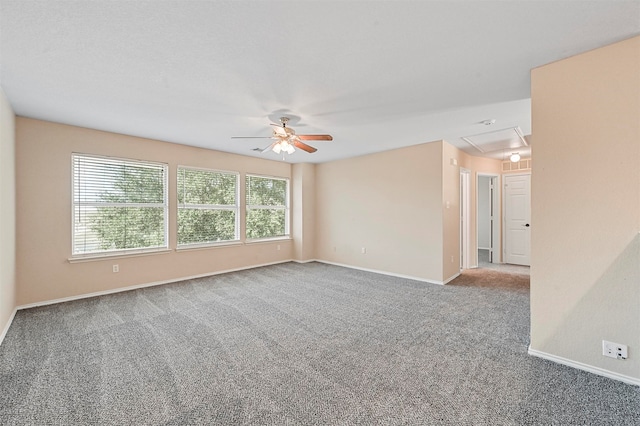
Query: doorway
[517,219]
[487,218]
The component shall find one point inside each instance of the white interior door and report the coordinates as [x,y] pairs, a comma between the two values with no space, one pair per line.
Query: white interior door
[517,219]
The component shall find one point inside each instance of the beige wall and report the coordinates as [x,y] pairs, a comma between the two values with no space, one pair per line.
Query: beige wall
[7,213]
[389,203]
[394,204]
[585,274]
[43,182]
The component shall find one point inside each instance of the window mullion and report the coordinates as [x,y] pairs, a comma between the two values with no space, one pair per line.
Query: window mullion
[208,206]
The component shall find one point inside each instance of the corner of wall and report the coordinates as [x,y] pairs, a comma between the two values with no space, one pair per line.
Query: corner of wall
[451,166]
[7,215]
[303,206]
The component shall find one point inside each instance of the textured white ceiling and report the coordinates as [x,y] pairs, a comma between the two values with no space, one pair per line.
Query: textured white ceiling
[376,75]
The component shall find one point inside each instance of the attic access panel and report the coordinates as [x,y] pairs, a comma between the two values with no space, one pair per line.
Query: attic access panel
[497,140]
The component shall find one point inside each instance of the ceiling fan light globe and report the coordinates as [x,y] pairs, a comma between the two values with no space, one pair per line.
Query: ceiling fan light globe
[290,149]
[277,148]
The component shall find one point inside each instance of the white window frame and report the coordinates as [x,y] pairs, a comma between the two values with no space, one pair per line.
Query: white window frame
[75,207]
[235,208]
[287,218]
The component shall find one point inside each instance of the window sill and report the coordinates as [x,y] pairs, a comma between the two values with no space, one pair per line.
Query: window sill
[99,257]
[93,258]
[209,246]
[269,240]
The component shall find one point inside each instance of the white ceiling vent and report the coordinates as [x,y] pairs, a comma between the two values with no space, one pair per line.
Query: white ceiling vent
[497,140]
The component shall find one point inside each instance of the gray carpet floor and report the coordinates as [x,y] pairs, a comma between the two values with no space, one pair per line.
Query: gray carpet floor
[299,345]
[483,263]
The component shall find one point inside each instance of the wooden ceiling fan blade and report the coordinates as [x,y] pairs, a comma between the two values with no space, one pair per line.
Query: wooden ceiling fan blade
[315,137]
[304,147]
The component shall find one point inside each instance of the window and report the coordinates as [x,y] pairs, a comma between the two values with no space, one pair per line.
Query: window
[267,207]
[119,205]
[207,206]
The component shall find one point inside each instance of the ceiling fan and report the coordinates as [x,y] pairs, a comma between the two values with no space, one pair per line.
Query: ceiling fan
[286,139]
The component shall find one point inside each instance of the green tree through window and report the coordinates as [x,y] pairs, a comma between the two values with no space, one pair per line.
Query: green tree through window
[207,206]
[118,205]
[267,201]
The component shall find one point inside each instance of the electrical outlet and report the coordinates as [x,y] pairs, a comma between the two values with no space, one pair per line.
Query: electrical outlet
[614,350]
[364,250]
[278,247]
[116,268]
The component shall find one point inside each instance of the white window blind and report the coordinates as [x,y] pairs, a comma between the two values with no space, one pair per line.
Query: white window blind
[119,205]
[207,206]
[267,203]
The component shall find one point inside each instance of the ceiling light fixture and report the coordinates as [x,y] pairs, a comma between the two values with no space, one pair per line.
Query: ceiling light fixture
[290,149]
[283,145]
[488,122]
[515,157]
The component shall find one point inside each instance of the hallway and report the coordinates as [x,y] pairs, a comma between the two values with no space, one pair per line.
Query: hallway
[483,263]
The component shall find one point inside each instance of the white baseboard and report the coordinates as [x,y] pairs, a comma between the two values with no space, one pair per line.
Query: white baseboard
[135,287]
[585,367]
[209,274]
[6,327]
[376,271]
[448,280]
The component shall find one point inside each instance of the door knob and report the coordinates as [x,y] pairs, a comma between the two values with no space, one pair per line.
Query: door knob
[527,225]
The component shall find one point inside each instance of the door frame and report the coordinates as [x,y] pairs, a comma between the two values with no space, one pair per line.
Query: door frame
[496,237]
[504,210]
[465,201]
